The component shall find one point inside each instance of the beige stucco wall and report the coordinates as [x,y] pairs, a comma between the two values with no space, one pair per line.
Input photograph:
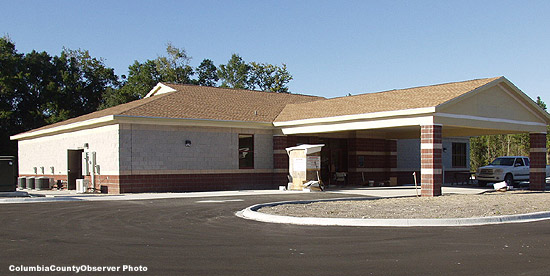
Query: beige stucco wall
[156,149]
[51,151]
[494,102]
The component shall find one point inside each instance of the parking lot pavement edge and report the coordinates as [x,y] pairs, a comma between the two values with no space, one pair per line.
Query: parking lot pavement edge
[252,213]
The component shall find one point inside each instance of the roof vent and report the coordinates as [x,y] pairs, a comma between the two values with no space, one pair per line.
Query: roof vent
[159,89]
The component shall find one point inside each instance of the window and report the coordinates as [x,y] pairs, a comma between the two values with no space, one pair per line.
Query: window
[459,155]
[246,151]
[361,161]
[503,161]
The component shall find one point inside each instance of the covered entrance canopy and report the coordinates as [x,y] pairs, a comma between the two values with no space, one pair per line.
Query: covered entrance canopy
[460,109]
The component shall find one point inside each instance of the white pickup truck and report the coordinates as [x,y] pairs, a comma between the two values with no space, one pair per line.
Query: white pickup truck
[511,169]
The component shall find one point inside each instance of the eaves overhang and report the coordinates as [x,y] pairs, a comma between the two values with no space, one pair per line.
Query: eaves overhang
[105,120]
[428,116]
[375,120]
[126,119]
[355,117]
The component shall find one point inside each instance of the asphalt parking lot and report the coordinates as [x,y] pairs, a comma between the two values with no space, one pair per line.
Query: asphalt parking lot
[202,236]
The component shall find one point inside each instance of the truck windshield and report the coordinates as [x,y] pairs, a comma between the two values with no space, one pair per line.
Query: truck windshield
[503,162]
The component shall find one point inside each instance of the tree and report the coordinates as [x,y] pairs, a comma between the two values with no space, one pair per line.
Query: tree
[541,103]
[37,89]
[36,98]
[142,77]
[10,84]
[175,67]
[207,73]
[268,77]
[261,76]
[234,74]
[84,81]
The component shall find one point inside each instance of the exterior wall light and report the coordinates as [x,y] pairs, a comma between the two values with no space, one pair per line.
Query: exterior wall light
[187,143]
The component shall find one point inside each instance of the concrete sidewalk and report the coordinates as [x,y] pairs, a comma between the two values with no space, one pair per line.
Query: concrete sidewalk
[54,195]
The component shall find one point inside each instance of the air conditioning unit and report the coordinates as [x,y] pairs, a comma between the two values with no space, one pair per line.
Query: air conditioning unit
[42,183]
[82,186]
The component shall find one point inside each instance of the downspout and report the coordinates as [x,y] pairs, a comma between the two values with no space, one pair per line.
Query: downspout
[93,171]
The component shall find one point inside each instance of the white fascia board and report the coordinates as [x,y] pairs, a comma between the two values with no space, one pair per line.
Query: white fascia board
[64,128]
[307,148]
[159,89]
[360,125]
[487,119]
[528,99]
[373,115]
[191,122]
[116,119]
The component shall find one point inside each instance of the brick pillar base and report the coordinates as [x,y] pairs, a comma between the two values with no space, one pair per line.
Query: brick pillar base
[537,156]
[431,171]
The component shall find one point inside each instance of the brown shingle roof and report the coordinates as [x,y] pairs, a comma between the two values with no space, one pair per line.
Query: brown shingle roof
[201,102]
[418,97]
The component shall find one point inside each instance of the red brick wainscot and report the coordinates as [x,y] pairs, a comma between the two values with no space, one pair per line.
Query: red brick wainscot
[431,148]
[537,156]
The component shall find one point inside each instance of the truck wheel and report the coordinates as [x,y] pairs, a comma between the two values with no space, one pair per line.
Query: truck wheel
[509,179]
[481,183]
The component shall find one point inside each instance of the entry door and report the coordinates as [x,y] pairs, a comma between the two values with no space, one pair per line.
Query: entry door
[334,158]
[74,167]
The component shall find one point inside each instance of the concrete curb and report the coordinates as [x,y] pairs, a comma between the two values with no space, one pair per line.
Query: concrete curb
[253,214]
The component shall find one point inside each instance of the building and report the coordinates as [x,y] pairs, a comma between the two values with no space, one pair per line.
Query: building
[195,138]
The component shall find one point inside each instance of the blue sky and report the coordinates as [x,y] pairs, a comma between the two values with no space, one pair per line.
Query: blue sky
[332,48]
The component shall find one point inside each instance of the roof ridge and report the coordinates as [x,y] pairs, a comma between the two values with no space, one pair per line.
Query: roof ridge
[397,99]
[151,99]
[415,87]
[239,89]
[471,91]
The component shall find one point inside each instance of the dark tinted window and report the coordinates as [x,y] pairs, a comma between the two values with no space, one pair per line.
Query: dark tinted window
[246,151]
[459,155]
[503,161]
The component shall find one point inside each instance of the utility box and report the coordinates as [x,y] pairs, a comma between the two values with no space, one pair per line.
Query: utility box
[82,186]
[42,183]
[22,182]
[393,181]
[30,182]
[8,173]
[304,164]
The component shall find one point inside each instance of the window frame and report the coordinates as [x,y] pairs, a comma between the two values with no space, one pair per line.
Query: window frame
[459,159]
[360,161]
[248,152]
[519,161]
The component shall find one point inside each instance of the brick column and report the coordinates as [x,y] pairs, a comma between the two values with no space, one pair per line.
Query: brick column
[537,156]
[280,157]
[431,171]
